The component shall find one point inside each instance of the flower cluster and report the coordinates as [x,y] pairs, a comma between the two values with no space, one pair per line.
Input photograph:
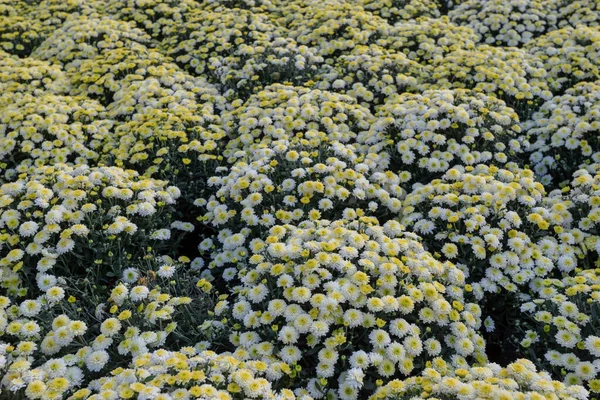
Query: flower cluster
[52,14]
[518,380]
[189,373]
[19,36]
[216,44]
[371,74]
[50,351]
[332,27]
[327,284]
[20,76]
[438,129]
[290,115]
[562,330]
[430,38]
[61,221]
[586,205]
[575,12]
[108,73]
[47,129]
[491,222]
[401,10]
[570,55]
[284,167]
[244,61]
[508,74]
[564,134]
[564,333]
[165,121]
[504,22]
[156,17]
[86,37]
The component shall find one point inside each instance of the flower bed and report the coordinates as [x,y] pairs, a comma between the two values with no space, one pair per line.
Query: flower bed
[304,199]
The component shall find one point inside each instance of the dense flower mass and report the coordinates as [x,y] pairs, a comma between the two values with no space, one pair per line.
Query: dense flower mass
[504,22]
[196,374]
[564,330]
[483,218]
[40,130]
[430,38]
[564,133]
[509,74]
[351,282]
[20,76]
[570,55]
[438,129]
[518,380]
[299,199]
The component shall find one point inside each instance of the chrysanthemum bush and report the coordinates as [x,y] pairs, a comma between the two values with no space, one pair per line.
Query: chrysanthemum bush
[63,340]
[84,288]
[402,10]
[500,227]
[283,114]
[190,373]
[575,13]
[45,129]
[332,27]
[106,74]
[20,76]
[349,302]
[154,16]
[84,222]
[430,38]
[218,45]
[564,134]
[431,132]
[84,37]
[564,328]
[583,192]
[166,121]
[52,14]
[22,28]
[485,219]
[570,55]
[241,62]
[188,139]
[371,74]
[269,199]
[508,74]
[505,22]
[283,177]
[257,6]
[518,380]
[19,36]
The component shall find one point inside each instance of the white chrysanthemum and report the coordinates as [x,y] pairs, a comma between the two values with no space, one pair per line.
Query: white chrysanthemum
[96,360]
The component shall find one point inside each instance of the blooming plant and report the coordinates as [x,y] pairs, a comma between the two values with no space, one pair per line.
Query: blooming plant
[83,221]
[517,380]
[564,134]
[20,76]
[508,74]
[575,13]
[84,37]
[366,301]
[433,131]
[401,10]
[511,23]
[564,330]
[430,38]
[570,55]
